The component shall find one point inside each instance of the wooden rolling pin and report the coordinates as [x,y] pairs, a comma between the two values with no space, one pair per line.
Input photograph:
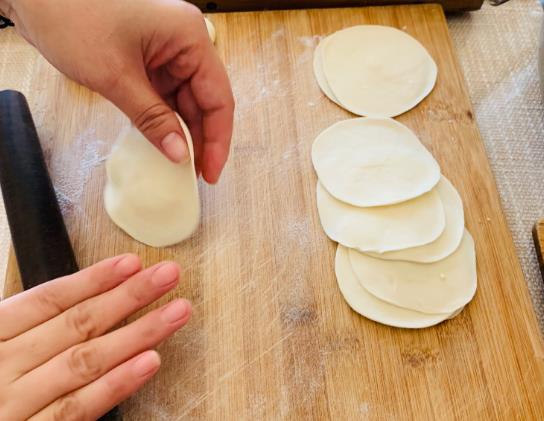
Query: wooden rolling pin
[230,5]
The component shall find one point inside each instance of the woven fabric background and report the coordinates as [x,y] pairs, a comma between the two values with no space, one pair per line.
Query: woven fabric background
[498,50]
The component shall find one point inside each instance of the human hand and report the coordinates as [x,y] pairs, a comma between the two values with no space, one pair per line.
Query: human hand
[57,359]
[150,58]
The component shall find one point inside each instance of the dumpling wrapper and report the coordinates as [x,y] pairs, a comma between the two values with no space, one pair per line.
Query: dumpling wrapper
[373,162]
[152,199]
[377,71]
[379,229]
[210,27]
[440,287]
[319,74]
[448,241]
[364,303]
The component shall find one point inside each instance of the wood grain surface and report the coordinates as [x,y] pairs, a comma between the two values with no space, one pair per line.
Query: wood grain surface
[271,336]
[230,5]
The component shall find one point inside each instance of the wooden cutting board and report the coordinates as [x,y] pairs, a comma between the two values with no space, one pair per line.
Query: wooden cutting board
[271,336]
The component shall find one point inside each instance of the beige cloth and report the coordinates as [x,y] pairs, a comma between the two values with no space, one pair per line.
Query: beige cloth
[497,47]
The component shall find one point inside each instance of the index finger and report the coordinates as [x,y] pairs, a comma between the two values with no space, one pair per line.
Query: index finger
[37,305]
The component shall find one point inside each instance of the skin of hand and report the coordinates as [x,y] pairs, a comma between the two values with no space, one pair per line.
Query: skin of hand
[60,358]
[149,58]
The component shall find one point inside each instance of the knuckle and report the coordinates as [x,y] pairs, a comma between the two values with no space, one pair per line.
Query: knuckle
[48,300]
[68,408]
[81,319]
[106,78]
[138,293]
[152,117]
[85,363]
[226,103]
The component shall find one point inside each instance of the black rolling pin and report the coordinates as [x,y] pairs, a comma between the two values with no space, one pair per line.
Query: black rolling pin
[39,236]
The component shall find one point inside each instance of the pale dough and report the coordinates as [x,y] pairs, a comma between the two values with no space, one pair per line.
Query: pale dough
[440,287]
[373,162]
[412,223]
[154,200]
[364,303]
[450,239]
[211,29]
[377,71]
[318,72]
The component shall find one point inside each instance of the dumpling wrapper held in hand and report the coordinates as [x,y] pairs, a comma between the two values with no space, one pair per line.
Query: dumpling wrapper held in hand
[448,241]
[377,71]
[384,228]
[364,303]
[373,162]
[440,287]
[152,199]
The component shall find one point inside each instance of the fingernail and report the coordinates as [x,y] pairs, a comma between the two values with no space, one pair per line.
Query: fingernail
[175,311]
[147,364]
[128,265]
[175,148]
[165,275]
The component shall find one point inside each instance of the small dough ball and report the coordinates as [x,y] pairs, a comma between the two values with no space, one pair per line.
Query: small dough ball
[377,71]
[439,287]
[373,162]
[364,303]
[211,29]
[151,198]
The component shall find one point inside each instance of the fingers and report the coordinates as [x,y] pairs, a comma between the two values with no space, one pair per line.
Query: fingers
[217,104]
[90,318]
[137,98]
[84,363]
[191,114]
[212,94]
[52,298]
[97,398]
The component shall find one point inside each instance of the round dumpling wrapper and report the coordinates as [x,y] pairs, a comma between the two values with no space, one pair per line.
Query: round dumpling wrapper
[377,71]
[364,303]
[373,162]
[379,229]
[448,241]
[151,198]
[440,287]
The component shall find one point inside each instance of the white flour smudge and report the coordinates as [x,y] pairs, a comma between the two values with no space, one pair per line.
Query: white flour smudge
[70,184]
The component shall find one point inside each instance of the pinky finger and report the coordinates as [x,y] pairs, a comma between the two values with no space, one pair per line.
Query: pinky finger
[97,398]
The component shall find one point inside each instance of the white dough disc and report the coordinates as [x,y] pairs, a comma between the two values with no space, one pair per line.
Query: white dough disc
[373,162]
[211,29]
[377,71]
[440,287]
[408,224]
[364,303]
[151,198]
[318,72]
[448,241]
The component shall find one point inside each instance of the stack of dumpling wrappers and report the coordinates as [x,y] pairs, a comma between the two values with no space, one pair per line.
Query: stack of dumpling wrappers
[404,257]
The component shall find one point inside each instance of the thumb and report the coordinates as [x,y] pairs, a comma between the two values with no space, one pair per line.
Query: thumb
[151,115]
